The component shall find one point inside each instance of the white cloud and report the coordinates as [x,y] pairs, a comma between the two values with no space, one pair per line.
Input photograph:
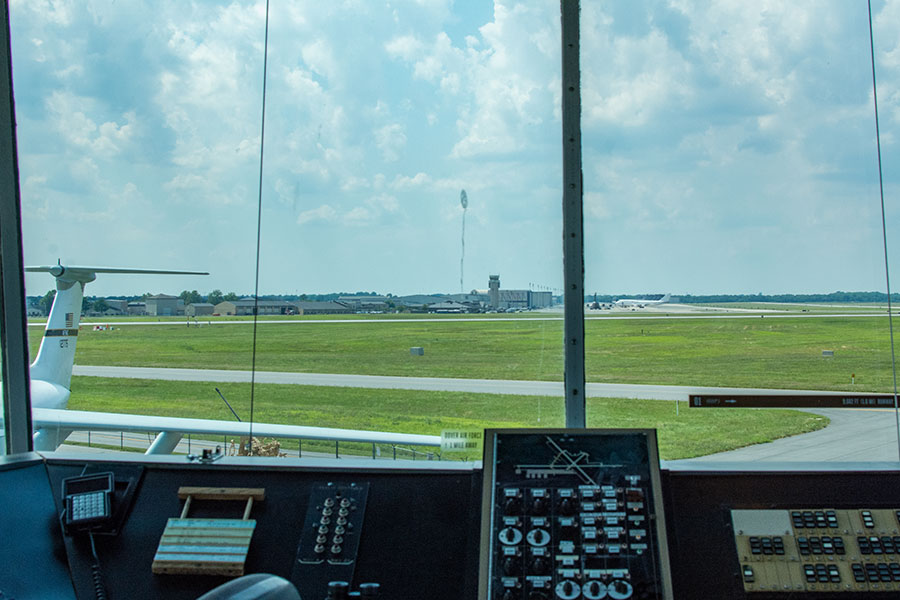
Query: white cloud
[322,213]
[320,58]
[402,182]
[391,140]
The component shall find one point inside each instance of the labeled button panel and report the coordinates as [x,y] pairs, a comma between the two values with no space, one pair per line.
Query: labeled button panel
[574,515]
[818,550]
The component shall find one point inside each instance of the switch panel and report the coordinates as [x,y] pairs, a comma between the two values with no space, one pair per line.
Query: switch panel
[818,549]
[330,538]
[571,515]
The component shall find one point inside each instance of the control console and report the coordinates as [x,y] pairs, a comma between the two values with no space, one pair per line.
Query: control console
[571,515]
[818,549]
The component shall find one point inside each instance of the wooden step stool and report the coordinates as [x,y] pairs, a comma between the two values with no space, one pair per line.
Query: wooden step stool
[207,546]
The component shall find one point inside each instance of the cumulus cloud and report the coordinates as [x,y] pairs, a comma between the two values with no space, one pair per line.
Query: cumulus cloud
[391,140]
[322,213]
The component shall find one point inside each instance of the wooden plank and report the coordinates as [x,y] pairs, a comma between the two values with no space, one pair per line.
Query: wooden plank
[195,568]
[207,549]
[211,523]
[204,540]
[222,493]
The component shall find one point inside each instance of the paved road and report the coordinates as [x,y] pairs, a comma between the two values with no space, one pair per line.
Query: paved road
[854,435]
[431,384]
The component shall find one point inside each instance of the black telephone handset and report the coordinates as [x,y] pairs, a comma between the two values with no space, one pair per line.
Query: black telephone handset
[88,501]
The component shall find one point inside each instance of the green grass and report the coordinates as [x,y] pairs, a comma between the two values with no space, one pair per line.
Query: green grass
[692,433]
[755,352]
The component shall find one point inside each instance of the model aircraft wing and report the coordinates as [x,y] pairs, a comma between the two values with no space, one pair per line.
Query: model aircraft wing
[54,424]
[87,274]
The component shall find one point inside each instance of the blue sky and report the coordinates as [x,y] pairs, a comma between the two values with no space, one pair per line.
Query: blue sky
[728,146]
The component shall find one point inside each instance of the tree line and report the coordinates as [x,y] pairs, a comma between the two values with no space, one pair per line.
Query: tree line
[830,298]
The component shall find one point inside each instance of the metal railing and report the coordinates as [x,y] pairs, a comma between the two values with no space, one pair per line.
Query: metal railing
[139,442]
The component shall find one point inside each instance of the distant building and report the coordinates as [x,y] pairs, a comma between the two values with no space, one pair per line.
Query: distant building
[246,307]
[163,305]
[116,307]
[365,303]
[516,299]
[321,308]
[225,308]
[198,309]
[494,291]
[448,307]
[137,308]
[418,301]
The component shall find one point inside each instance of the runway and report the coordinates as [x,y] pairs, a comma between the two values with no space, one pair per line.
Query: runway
[429,384]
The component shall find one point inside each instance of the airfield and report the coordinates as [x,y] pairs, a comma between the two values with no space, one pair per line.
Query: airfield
[851,435]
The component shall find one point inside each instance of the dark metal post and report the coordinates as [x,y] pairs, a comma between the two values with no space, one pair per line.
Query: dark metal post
[573,229]
[14,326]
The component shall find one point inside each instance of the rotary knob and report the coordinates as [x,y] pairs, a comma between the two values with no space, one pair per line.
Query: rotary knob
[539,506]
[567,507]
[512,505]
[594,590]
[510,565]
[567,590]
[338,590]
[538,537]
[510,536]
[510,594]
[620,590]
[540,566]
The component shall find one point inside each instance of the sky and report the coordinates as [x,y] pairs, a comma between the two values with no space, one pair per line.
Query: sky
[729,147]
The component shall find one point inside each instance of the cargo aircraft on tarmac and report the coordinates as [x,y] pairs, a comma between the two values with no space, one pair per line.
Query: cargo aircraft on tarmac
[635,303]
[51,375]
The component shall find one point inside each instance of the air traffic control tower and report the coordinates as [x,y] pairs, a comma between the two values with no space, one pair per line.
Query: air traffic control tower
[494,290]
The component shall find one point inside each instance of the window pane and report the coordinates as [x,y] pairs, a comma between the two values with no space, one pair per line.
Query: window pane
[731,171]
[140,134]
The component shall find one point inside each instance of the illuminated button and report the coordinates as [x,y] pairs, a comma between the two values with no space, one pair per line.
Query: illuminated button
[809,571]
[747,571]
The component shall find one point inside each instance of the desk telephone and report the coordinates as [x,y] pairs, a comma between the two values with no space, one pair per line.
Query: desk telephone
[88,500]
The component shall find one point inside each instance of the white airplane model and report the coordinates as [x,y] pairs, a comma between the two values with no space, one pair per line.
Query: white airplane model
[51,376]
[626,302]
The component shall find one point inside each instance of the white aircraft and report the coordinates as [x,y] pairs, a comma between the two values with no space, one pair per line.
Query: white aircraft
[631,302]
[51,375]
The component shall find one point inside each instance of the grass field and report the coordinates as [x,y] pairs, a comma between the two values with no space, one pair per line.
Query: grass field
[754,352]
[776,353]
[691,433]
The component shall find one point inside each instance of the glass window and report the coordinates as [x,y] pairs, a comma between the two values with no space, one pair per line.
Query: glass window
[2,417]
[734,229]
[409,243]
